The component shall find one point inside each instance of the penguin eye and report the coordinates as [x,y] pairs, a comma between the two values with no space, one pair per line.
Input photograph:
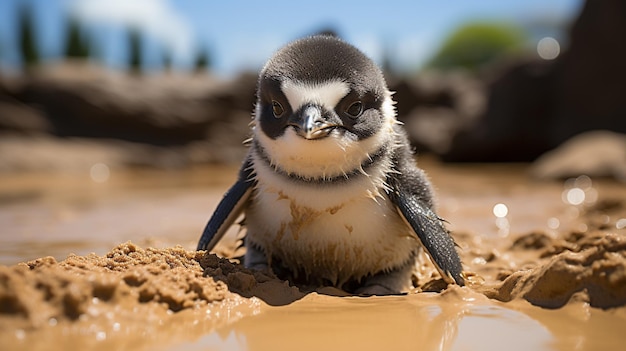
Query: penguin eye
[355,109]
[277,109]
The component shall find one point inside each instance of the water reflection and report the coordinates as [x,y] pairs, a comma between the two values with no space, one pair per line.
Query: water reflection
[496,328]
[452,321]
[323,322]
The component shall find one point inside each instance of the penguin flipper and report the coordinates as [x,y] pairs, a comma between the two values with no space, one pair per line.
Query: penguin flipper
[432,234]
[230,207]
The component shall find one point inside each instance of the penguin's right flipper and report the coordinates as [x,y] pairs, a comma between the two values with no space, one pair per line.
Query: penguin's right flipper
[232,205]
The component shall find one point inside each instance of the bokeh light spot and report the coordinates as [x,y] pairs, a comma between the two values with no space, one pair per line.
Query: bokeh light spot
[575,196]
[553,223]
[500,210]
[548,48]
[100,173]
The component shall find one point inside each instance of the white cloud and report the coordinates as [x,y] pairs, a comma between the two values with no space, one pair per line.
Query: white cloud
[155,18]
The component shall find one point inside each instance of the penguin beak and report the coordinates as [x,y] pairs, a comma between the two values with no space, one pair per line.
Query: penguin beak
[310,124]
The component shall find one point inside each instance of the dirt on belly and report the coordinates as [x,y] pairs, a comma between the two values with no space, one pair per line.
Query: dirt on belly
[545,264]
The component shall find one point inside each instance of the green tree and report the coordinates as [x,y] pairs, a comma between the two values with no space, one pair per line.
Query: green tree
[27,40]
[76,45]
[135,55]
[202,61]
[474,45]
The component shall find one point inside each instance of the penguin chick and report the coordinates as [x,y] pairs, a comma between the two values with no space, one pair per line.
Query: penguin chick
[329,188]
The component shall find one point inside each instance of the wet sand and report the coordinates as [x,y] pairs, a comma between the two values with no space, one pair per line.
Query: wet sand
[546,270]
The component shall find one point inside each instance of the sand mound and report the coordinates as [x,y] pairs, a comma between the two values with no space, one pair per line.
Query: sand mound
[33,293]
[248,283]
[550,269]
[591,267]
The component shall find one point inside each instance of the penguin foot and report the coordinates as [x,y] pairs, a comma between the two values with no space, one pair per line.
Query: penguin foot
[395,282]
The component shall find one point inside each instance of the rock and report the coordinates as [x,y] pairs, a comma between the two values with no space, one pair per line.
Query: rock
[21,118]
[432,128]
[76,101]
[592,74]
[595,154]
[72,115]
[516,123]
[132,108]
[435,106]
[534,106]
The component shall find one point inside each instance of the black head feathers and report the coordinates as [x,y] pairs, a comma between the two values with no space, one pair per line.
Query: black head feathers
[321,58]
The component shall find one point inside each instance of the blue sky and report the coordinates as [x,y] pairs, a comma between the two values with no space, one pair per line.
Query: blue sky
[243,34]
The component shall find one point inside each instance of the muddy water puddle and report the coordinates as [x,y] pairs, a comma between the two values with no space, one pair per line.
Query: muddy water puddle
[456,320]
[487,206]
[59,214]
[422,321]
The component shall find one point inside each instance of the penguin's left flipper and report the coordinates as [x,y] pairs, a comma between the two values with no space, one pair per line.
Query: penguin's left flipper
[432,234]
[232,205]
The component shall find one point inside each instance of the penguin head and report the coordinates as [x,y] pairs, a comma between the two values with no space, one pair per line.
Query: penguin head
[321,95]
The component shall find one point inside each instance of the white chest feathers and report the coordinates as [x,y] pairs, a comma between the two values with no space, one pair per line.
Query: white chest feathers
[333,232]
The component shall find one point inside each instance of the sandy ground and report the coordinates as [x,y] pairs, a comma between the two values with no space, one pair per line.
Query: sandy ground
[545,261]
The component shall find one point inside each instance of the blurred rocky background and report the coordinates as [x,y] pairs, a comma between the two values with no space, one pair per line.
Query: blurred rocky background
[483,97]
